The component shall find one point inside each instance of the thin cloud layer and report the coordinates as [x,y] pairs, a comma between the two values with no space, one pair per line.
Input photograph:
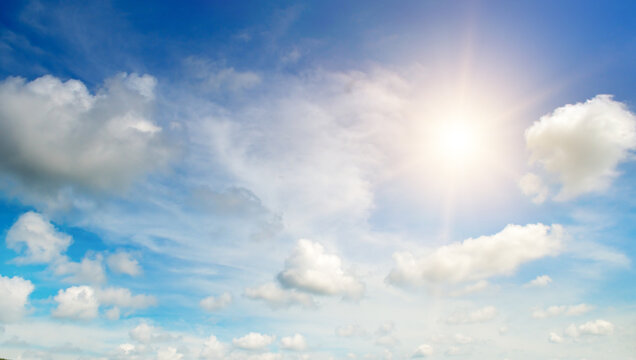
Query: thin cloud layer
[479,258]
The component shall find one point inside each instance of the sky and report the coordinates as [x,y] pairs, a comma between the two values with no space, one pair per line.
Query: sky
[317,180]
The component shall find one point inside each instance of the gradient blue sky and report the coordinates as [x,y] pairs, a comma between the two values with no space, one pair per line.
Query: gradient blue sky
[317,180]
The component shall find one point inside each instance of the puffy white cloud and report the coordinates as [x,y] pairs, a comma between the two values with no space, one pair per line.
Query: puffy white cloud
[276,297]
[214,303]
[213,349]
[477,316]
[483,257]
[14,294]
[123,298]
[169,353]
[309,268]
[540,281]
[36,239]
[87,271]
[253,341]
[123,263]
[76,302]
[572,310]
[56,134]
[146,334]
[294,343]
[532,185]
[423,351]
[597,327]
[555,338]
[581,144]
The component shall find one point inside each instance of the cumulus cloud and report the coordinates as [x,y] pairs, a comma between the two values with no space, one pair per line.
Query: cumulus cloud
[555,338]
[38,242]
[55,134]
[123,263]
[477,316]
[296,342]
[276,298]
[14,294]
[36,239]
[571,310]
[479,258]
[83,302]
[539,281]
[423,351]
[146,334]
[86,271]
[76,302]
[310,268]
[214,303]
[213,349]
[123,298]
[532,185]
[253,341]
[597,327]
[581,146]
[169,353]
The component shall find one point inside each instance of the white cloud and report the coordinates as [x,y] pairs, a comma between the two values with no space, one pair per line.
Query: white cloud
[38,242]
[472,288]
[212,303]
[53,134]
[87,271]
[123,298]
[113,313]
[14,294]
[309,268]
[597,327]
[221,79]
[532,185]
[572,310]
[555,338]
[423,351]
[123,263]
[462,339]
[483,257]
[294,343]
[146,334]
[477,316]
[350,330]
[76,302]
[540,281]
[169,353]
[36,239]
[213,349]
[277,298]
[582,144]
[253,341]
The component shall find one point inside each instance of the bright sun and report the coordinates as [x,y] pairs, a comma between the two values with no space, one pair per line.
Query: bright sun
[457,144]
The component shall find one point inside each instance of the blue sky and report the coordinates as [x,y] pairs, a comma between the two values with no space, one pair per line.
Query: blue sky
[317,180]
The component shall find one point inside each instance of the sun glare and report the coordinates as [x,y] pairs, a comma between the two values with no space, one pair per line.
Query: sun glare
[457,144]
